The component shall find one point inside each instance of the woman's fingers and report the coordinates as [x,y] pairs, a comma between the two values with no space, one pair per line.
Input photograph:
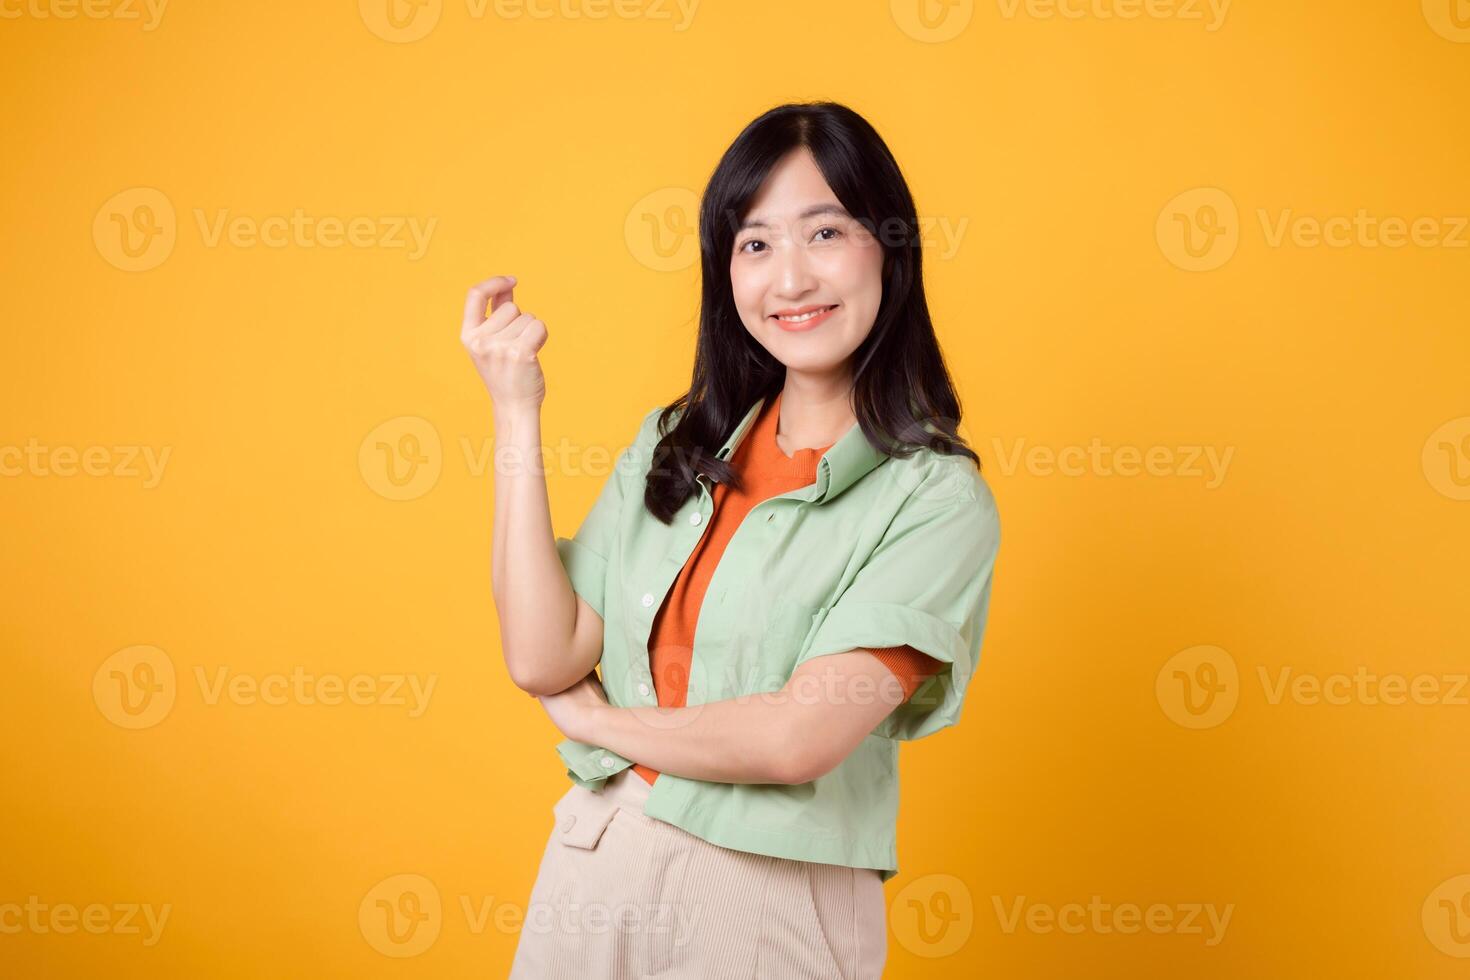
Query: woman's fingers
[522,335]
[533,335]
[519,325]
[496,290]
[504,345]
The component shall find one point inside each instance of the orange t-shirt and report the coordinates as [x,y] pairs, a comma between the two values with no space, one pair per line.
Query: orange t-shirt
[766,472]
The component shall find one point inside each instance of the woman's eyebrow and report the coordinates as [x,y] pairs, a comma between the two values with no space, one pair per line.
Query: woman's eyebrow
[811,212]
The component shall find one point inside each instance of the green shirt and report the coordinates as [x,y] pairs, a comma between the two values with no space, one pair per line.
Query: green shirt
[877,552]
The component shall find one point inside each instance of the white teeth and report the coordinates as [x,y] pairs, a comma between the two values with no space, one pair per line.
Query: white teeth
[804,317]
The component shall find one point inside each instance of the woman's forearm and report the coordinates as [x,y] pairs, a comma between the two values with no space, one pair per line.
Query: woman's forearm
[545,646]
[533,596]
[734,741]
[793,735]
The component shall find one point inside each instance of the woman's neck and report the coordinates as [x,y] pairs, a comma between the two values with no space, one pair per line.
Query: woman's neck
[812,415]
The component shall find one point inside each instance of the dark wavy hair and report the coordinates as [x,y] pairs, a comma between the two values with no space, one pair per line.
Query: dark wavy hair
[903,397]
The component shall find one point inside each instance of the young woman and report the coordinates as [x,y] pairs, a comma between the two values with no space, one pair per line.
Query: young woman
[787,573]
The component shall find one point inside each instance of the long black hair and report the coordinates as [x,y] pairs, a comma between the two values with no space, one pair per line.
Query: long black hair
[902,394]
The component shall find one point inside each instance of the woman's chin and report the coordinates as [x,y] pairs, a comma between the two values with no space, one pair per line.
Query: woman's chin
[806,364]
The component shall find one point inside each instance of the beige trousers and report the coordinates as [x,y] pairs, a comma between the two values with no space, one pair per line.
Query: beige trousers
[623,896]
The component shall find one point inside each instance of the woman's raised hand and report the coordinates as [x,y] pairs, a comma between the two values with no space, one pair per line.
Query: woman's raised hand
[504,345]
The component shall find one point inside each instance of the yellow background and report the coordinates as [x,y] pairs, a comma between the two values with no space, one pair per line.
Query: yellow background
[551,148]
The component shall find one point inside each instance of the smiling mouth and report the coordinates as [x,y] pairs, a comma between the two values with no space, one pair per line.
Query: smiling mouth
[802,317]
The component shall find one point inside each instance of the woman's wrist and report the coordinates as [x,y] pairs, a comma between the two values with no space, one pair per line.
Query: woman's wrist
[589,720]
[516,418]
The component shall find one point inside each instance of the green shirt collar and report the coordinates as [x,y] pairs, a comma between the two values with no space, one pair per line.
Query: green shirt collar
[845,462]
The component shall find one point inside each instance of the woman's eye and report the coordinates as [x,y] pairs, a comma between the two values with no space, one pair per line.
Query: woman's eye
[834,232]
[751,241]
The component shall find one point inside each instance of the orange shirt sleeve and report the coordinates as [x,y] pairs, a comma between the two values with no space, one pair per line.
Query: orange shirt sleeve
[910,666]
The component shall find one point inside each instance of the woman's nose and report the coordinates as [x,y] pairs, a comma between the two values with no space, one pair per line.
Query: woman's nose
[795,275]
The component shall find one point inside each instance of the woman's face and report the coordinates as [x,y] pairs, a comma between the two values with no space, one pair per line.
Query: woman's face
[798,250]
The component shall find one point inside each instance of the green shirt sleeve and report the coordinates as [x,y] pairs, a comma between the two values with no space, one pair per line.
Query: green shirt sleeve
[586,554]
[926,584]
[590,766]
